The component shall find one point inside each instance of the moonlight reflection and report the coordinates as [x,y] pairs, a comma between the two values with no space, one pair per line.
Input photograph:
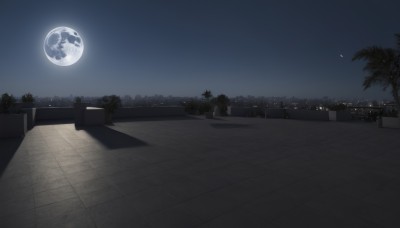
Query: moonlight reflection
[63,46]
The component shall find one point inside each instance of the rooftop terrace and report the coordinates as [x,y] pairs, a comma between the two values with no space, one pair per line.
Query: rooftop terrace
[196,172]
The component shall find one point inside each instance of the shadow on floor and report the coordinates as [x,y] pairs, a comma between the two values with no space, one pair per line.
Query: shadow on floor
[138,119]
[8,147]
[53,122]
[111,138]
[230,125]
[218,118]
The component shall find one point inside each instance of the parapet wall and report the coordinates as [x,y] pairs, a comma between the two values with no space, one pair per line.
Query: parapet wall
[275,113]
[54,113]
[296,114]
[13,125]
[308,115]
[340,115]
[149,112]
[242,111]
[391,122]
[68,113]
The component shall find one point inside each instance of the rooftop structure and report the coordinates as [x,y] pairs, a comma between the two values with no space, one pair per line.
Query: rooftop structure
[196,172]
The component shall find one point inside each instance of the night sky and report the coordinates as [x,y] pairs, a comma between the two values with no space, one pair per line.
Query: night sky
[181,48]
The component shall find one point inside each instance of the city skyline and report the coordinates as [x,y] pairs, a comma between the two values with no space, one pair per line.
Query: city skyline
[181,48]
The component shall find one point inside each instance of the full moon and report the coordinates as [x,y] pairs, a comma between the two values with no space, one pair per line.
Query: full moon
[63,46]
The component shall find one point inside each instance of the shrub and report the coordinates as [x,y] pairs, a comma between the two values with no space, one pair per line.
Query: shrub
[7,101]
[222,102]
[27,98]
[192,107]
[78,100]
[204,107]
[110,104]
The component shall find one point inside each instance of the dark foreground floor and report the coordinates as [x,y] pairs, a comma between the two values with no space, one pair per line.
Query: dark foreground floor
[230,172]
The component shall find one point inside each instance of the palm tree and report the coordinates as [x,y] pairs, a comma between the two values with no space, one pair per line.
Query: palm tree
[383,67]
[206,105]
[207,95]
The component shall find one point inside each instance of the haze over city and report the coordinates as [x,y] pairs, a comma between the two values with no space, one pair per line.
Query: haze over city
[180,48]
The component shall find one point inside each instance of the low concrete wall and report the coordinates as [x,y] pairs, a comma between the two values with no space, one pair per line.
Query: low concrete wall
[149,112]
[391,122]
[339,115]
[275,113]
[332,115]
[13,125]
[308,115]
[54,114]
[242,111]
[292,113]
[31,116]
[94,116]
[68,113]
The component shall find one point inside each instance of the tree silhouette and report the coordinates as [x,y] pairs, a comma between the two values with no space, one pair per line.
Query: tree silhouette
[7,101]
[206,106]
[110,104]
[222,101]
[78,100]
[207,95]
[383,67]
[27,98]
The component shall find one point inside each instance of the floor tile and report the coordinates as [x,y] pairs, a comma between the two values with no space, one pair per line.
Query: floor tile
[238,218]
[49,184]
[22,219]
[271,205]
[77,218]
[208,206]
[54,195]
[15,206]
[117,213]
[151,201]
[174,218]
[100,196]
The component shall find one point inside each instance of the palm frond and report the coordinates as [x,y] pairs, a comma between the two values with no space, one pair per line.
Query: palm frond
[374,78]
[383,67]
[379,65]
[369,53]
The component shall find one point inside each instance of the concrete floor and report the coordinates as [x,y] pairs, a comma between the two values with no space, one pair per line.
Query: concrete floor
[193,172]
